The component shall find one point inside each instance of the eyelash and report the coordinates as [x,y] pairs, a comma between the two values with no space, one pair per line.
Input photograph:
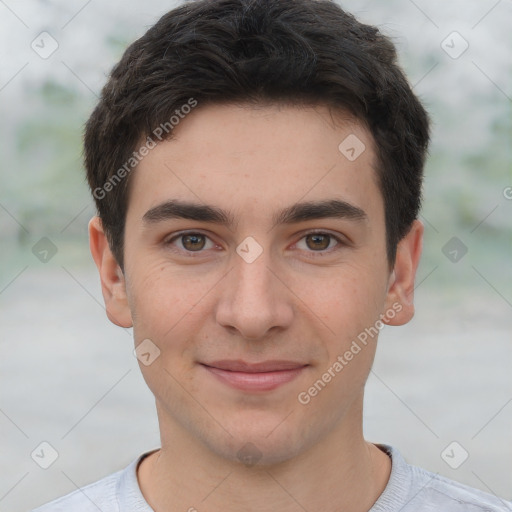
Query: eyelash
[315,254]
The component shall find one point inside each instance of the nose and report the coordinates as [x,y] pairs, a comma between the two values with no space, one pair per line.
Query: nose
[254,299]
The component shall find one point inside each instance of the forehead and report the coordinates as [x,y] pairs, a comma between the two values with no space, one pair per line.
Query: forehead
[253,159]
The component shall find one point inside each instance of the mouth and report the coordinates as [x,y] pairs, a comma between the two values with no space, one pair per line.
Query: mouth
[264,376]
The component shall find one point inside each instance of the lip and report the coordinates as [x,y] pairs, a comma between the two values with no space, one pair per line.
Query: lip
[264,376]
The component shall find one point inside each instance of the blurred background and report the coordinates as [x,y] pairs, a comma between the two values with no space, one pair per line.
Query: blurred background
[441,387]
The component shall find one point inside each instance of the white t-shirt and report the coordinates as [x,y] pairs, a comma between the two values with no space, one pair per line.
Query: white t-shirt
[409,489]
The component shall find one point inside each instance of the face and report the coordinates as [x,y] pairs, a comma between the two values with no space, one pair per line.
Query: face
[255,263]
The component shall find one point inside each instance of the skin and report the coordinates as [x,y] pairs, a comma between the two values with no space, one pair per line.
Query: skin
[300,300]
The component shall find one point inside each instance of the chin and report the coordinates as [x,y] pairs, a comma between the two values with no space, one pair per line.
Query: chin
[257,444]
[258,452]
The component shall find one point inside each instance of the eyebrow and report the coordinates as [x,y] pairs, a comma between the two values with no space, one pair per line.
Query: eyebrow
[299,212]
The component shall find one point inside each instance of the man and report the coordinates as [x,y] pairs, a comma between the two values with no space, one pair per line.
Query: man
[257,171]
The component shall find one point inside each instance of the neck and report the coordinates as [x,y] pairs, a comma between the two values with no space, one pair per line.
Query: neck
[340,472]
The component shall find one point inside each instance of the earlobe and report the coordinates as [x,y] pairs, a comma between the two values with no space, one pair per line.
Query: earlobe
[113,283]
[400,295]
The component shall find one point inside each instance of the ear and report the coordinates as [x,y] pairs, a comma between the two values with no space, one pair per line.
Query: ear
[112,279]
[400,295]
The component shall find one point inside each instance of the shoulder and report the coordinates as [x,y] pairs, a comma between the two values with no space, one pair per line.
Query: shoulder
[117,492]
[453,496]
[100,495]
[412,488]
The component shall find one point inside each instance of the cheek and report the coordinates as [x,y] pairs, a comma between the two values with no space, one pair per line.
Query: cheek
[349,301]
[350,310]
[163,311]
[159,300]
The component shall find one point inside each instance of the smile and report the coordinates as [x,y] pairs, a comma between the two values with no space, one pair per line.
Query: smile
[264,376]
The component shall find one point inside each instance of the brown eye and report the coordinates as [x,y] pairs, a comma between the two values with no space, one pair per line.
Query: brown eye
[193,242]
[318,241]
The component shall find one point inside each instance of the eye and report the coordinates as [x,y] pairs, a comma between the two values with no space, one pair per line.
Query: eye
[190,242]
[314,242]
[319,242]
